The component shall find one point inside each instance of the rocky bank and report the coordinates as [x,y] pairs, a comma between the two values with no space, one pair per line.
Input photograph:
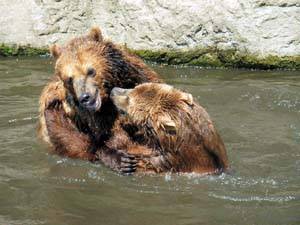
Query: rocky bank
[241,33]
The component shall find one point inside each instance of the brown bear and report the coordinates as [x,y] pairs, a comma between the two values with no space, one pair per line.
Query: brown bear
[179,131]
[76,114]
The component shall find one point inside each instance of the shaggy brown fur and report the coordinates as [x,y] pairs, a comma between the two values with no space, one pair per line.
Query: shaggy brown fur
[80,128]
[178,130]
[142,153]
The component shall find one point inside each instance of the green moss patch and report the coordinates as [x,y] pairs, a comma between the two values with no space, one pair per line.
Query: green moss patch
[16,50]
[211,57]
[208,57]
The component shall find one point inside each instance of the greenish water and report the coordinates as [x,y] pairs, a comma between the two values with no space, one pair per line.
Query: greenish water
[257,114]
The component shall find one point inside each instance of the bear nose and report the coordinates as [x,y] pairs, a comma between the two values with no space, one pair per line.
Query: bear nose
[85,98]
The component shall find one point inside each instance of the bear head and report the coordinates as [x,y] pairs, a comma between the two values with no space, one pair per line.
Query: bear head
[153,104]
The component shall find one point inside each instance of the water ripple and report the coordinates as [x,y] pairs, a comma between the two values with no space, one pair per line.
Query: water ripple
[23,119]
[279,199]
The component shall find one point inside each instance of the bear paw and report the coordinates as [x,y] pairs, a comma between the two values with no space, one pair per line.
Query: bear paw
[128,163]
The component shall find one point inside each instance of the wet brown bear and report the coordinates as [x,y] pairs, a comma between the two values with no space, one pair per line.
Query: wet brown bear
[179,131]
[76,113]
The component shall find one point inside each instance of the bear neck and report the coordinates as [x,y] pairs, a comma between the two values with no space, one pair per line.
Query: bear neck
[98,125]
[126,69]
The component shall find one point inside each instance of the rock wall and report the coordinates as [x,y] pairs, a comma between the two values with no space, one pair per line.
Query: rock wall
[261,27]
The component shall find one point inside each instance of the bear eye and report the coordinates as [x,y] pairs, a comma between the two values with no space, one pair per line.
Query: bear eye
[91,72]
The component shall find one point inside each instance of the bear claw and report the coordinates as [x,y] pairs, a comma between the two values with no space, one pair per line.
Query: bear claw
[128,164]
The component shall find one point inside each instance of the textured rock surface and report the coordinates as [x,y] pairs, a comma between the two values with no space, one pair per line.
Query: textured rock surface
[260,27]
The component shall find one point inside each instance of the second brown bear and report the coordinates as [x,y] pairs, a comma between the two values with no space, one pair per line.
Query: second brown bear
[178,130]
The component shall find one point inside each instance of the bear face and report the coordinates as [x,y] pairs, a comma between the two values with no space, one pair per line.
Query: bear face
[169,121]
[81,65]
[158,105]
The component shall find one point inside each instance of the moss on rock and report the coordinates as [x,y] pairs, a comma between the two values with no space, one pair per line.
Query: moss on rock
[212,57]
[208,57]
[17,50]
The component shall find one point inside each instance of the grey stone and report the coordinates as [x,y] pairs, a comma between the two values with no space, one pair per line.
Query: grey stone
[261,27]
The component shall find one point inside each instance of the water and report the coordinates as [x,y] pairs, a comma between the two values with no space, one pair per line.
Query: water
[257,114]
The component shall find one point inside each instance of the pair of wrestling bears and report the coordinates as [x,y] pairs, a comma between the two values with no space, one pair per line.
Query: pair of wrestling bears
[104,104]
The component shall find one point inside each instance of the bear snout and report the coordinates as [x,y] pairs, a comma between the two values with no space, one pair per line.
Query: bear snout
[90,102]
[116,91]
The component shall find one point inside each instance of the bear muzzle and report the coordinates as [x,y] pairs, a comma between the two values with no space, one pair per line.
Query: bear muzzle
[89,101]
[120,98]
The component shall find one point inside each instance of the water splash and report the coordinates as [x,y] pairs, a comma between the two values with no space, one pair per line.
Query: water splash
[236,181]
[94,175]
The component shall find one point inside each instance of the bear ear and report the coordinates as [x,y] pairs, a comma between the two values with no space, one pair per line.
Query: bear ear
[55,51]
[95,34]
[187,98]
[168,125]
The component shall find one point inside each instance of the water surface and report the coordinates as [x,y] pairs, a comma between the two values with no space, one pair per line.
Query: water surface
[256,112]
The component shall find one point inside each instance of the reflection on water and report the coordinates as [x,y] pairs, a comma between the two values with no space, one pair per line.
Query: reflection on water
[256,112]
